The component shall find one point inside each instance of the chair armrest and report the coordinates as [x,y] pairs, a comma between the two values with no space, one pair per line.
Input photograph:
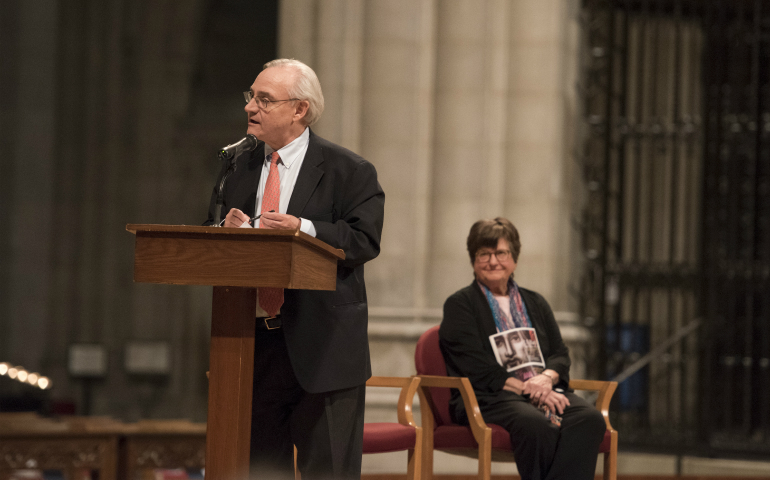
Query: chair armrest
[481,432]
[408,386]
[605,390]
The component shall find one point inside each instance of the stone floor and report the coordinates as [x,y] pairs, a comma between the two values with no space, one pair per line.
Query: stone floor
[381,408]
[628,464]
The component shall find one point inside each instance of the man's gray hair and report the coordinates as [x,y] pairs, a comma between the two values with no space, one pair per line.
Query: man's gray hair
[306,87]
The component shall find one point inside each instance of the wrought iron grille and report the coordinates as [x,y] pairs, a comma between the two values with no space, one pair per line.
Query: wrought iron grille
[736,225]
[676,224]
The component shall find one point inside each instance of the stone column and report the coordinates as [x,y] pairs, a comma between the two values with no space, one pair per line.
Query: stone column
[537,192]
[336,55]
[462,107]
[469,168]
[121,96]
[375,61]
[29,180]
[397,136]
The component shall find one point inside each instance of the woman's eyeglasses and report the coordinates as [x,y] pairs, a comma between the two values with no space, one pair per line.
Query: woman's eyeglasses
[500,255]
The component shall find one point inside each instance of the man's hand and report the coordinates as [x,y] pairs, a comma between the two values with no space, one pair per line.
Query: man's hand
[280,221]
[235,218]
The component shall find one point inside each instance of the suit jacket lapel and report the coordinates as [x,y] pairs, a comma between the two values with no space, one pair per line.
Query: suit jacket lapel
[309,176]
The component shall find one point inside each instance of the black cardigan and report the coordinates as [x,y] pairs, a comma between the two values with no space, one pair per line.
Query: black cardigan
[464,340]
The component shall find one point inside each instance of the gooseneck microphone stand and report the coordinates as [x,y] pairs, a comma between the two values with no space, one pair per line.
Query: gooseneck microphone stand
[228,155]
[230,168]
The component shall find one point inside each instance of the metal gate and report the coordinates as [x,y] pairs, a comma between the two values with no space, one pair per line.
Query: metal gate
[676,224]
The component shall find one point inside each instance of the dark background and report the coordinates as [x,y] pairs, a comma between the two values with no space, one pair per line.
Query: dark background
[111,112]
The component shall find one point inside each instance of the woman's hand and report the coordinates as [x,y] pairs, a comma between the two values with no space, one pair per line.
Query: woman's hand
[555,402]
[538,387]
[514,385]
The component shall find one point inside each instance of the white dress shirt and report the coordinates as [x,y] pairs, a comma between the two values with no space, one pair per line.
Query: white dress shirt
[292,156]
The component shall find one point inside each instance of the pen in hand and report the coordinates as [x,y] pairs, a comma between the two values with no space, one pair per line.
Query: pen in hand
[252,219]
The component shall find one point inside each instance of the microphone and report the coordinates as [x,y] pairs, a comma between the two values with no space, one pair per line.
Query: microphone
[247,144]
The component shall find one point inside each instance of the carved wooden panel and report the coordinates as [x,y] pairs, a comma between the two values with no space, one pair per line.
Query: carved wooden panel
[59,453]
[143,452]
[167,452]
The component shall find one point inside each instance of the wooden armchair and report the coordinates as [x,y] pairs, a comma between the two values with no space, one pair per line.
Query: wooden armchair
[383,437]
[487,442]
[404,435]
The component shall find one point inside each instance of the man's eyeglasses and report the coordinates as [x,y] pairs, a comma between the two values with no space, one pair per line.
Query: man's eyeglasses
[263,102]
[500,255]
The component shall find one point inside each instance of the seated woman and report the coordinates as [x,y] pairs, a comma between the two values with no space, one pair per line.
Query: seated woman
[505,339]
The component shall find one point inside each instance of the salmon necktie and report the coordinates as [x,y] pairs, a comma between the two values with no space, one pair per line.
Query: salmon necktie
[271,298]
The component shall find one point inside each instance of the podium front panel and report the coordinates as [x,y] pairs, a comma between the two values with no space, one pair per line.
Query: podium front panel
[233,260]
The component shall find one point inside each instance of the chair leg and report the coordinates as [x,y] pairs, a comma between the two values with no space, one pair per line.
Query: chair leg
[414,465]
[609,467]
[485,468]
[611,459]
[297,475]
[485,456]
[426,473]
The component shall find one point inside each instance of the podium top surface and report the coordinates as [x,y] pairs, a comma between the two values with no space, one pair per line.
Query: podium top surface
[139,229]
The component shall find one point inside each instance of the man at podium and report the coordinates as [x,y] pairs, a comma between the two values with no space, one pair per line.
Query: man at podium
[311,358]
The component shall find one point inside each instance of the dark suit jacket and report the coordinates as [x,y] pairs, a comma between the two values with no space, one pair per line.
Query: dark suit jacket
[325,332]
[464,340]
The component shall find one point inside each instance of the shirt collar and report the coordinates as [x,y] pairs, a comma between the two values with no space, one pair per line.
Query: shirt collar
[291,152]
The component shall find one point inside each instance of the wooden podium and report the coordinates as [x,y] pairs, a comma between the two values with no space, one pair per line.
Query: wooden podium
[235,261]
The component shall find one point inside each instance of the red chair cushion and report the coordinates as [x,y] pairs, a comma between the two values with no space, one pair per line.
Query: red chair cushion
[388,437]
[604,447]
[457,436]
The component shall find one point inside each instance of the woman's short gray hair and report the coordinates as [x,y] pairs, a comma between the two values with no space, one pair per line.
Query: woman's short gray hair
[487,232]
[306,87]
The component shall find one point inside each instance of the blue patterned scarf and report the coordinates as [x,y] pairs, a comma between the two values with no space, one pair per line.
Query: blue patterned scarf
[518,309]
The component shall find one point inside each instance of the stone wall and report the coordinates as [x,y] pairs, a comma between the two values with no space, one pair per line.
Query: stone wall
[110,113]
[466,108]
